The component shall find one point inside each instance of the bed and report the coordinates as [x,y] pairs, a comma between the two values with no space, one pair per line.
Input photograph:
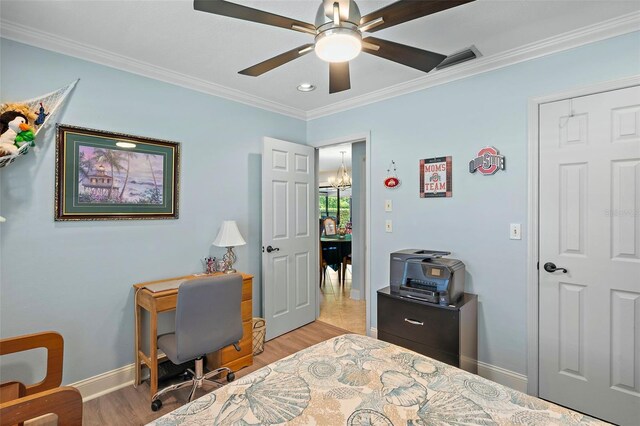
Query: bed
[356,380]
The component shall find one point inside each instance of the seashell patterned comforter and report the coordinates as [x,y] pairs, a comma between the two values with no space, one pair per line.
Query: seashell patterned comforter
[356,380]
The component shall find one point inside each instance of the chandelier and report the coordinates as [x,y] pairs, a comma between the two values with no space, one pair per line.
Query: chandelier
[342,180]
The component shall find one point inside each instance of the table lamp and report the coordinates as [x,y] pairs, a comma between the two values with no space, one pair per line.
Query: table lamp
[229,237]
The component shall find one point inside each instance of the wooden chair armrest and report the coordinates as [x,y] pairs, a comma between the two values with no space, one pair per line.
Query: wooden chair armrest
[54,344]
[65,402]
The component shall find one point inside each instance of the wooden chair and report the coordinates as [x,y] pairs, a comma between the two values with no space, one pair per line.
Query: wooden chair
[19,403]
[331,258]
[345,261]
[323,265]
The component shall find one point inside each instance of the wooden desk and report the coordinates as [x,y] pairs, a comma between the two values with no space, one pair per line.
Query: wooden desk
[164,301]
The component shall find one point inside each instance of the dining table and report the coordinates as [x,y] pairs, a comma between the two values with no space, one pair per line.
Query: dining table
[341,242]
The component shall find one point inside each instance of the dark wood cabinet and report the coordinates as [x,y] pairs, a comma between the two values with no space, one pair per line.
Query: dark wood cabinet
[446,333]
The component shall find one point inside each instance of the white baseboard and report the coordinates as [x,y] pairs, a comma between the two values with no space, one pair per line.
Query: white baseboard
[503,376]
[119,378]
[105,383]
[355,294]
[496,374]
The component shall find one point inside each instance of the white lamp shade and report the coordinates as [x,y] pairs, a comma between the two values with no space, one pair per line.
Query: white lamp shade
[229,235]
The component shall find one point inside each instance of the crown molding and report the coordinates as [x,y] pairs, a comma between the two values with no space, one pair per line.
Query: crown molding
[66,46]
[601,31]
[592,33]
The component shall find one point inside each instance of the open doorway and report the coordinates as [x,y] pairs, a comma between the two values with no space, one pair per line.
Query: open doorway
[342,221]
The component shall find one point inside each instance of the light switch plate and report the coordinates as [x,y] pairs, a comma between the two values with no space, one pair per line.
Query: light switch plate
[514,231]
[388,226]
[388,206]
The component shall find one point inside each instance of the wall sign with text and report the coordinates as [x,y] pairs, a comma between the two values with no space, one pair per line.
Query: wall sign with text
[435,177]
[488,161]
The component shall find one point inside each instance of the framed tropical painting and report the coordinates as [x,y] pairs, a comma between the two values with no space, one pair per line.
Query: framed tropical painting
[110,176]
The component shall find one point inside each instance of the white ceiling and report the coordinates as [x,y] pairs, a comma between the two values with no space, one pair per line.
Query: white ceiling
[330,157]
[171,36]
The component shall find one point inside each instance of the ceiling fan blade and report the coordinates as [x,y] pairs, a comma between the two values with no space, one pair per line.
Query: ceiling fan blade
[339,77]
[276,61]
[408,10]
[413,57]
[233,10]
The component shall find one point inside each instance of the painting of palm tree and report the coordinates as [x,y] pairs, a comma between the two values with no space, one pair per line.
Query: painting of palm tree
[119,176]
[113,176]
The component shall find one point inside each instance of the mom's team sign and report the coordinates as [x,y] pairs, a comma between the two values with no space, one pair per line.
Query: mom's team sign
[435,177]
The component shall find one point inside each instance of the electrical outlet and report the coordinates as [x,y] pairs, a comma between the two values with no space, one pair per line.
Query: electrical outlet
[388,226]
[514,231]
[388,206]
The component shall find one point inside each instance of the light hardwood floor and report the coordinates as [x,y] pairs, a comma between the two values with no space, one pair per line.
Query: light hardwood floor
[131,406]
[338,308]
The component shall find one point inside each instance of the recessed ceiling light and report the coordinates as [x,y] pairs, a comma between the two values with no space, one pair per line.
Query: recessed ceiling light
[126,144]
[306,87]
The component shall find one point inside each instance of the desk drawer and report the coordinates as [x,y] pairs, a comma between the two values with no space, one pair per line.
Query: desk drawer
[166,303]
[427,325]
[246,289]
[229,353]
[247,310]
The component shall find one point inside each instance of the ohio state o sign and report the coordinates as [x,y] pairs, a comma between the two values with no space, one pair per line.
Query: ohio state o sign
[391,182]
[488,161]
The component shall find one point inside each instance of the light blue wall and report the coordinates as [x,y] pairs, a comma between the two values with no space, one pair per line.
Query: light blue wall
[458,119]
[50,273]
[76,277]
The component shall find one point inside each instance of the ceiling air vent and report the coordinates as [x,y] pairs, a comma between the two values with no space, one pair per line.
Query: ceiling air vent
[459,57]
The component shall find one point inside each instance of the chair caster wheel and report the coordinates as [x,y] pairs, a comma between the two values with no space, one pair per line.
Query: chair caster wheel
[231,377]
[156,405]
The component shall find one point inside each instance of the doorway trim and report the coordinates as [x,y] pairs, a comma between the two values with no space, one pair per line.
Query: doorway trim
[533,302]
[366,138]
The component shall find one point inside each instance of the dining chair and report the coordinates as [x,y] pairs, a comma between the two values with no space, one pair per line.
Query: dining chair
[323,264]
[331,258]
[345,261]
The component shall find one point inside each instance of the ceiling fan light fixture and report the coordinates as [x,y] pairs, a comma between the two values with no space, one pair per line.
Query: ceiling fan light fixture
[338,45]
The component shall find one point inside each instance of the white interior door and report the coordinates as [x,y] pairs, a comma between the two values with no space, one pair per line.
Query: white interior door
[590,224]
[289,235]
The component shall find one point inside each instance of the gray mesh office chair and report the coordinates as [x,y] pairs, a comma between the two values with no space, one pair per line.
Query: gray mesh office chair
[208,318]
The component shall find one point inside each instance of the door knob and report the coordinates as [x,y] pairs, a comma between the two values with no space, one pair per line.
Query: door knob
[270,249]
[551,267]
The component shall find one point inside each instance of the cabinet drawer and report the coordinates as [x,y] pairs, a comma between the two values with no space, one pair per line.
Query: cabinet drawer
[431,326]
[229,353]
[446,357]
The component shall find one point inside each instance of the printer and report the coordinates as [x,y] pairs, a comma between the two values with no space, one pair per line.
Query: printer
[426,275]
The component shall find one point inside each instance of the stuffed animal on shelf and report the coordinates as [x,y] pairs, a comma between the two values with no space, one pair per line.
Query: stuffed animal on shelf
[42,115]
[14,128]
[25,136]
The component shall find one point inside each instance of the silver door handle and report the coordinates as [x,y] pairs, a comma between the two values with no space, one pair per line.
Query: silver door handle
[414,322]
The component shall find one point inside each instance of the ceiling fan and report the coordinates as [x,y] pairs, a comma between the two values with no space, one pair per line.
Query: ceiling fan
[338,35]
